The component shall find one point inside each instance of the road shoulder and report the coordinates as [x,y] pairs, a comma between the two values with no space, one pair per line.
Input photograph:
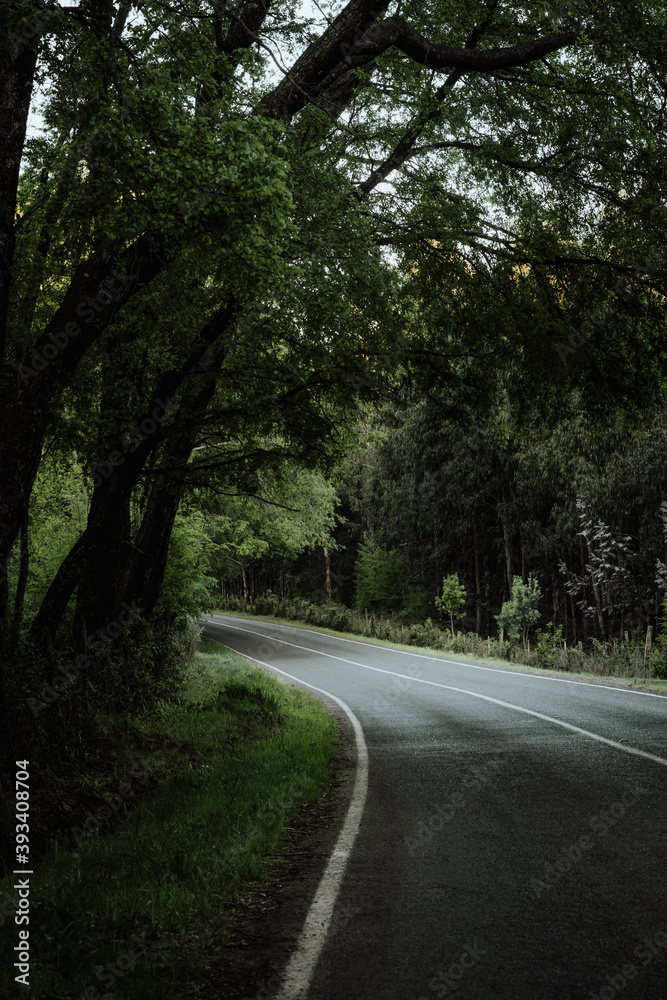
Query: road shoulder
[265,921]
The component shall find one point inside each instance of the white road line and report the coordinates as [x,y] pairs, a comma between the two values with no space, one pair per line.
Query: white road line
[302,964]
[462,663]
[623,747]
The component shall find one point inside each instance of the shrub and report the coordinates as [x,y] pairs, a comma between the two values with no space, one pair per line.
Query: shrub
[548,642]
[519,613]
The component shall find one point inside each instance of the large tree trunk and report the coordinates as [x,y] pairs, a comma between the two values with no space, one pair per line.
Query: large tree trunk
[148,562]
[145,567]
[99,595]
[119,572]
[18,58]
[45,623]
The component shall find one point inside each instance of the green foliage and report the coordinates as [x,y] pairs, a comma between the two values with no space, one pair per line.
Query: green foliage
[465,497]
[380,577]
[293,511]
[547,642]
[661,636]
[187,584]
[453,597]
[416,604]
[519,613]
[58,510]
[658,653]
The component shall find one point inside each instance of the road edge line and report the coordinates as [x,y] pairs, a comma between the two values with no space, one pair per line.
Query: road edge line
[301,966]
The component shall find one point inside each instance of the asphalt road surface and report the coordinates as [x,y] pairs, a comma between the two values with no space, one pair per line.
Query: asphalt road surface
[509,845]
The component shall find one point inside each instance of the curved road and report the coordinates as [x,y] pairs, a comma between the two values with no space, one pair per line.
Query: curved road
[509,846]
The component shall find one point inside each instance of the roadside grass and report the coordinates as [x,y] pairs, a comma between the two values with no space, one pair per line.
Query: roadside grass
[632,683]
[138,908]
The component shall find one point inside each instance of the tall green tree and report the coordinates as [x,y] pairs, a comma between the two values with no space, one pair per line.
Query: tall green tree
[452,599]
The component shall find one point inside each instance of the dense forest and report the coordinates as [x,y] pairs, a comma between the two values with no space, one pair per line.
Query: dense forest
[577,505]
[294,296]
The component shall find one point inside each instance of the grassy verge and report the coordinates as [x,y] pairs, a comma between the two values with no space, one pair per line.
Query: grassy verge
[630,682]
[133,902]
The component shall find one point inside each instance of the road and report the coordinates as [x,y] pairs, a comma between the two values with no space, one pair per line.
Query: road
[509,844]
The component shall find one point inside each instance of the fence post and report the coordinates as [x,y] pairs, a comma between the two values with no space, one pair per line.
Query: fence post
[647,644]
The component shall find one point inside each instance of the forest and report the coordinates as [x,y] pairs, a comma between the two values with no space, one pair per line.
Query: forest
[325,303]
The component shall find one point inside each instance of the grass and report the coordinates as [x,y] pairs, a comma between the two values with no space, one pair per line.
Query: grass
[138,907]
[631,682]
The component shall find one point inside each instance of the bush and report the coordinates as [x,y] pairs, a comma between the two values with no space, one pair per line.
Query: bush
[658,662]
[457,644]
[518,614]
[547,644]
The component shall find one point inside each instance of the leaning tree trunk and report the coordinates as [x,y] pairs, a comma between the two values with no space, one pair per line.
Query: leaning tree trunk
[98,597]
[54,603]
[27,397]
[147,560]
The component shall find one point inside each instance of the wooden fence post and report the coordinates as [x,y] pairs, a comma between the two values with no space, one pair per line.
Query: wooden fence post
[647,644]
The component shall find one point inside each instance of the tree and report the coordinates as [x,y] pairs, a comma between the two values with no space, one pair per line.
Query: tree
[453,597]
[519,614]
